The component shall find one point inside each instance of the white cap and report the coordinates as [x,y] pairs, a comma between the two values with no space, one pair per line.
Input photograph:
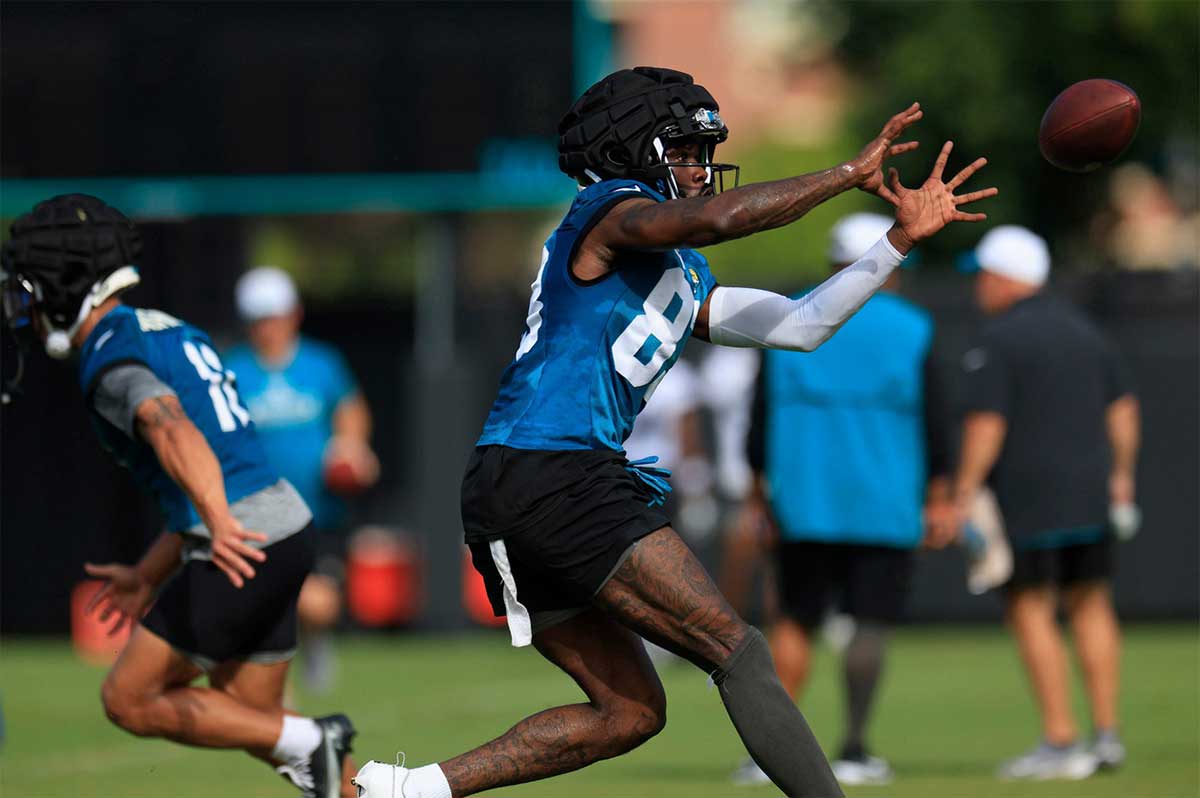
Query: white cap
[851,237]
[1016,253]
[266,291]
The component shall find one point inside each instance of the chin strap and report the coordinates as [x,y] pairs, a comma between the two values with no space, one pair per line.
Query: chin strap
[58,342]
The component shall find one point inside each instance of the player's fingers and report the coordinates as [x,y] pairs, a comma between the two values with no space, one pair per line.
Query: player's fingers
[120,624]
[959,216]
[234,561]
[969,170]
[246,534]
[895,126]
[963,199]
[940,164]
[903,147]
[96,598]
[886,193]
[234,577]
[102,571]
[107,612]
[894,179]
[244,550]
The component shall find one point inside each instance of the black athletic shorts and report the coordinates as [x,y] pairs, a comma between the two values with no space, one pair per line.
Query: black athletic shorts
[866,582]
[1067,565]
[204,617]
[565,519]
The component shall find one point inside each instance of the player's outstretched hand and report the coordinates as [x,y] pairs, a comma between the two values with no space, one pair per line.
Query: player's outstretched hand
[868,166]
[923,211]
[230,550]
[124,594]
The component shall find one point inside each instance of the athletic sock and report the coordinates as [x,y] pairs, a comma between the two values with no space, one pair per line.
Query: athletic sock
[769,723]
[299,738]
[427,782]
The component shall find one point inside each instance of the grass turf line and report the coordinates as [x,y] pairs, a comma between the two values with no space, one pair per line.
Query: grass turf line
[953,704]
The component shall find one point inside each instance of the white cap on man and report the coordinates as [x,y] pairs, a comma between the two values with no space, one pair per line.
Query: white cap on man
[266,291]
[853,235]
[1016,253]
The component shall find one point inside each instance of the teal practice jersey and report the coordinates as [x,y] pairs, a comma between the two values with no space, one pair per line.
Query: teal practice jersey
[593,351]
[183,357]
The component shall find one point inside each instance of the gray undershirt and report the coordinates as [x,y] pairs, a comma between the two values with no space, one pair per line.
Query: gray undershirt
[277,511]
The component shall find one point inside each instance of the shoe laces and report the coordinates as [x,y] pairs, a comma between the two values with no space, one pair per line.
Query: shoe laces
[298,773]
[401,759]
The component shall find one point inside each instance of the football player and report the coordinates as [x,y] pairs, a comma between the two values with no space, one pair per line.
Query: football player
[567,534]
[221,597]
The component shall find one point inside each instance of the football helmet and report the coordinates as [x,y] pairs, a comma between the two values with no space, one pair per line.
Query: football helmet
[65,257]
[622,127]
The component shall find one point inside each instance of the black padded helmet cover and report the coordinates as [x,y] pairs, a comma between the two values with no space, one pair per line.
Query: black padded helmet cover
[65,245]
[610,130]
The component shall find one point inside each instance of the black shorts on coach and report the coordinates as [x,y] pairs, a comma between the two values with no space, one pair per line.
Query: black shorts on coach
[566,518]
[1062,566]
[203,616]
[865,582]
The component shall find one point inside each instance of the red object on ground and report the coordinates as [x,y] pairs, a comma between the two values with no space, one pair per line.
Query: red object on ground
[475,599]
[90,636]
[383,578]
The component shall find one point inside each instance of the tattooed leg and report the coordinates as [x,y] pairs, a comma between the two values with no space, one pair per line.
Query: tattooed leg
[663,593]
[626,706]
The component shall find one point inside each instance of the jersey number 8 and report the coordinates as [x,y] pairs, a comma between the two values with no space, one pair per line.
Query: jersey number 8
[650,339]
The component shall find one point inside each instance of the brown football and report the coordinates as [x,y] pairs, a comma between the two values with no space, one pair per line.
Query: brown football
[1090,124]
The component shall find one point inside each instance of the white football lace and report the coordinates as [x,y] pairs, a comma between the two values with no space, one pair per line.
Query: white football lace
[401,759]
[298,773]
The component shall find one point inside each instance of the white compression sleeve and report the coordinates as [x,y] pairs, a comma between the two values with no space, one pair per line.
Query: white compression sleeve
[752,317]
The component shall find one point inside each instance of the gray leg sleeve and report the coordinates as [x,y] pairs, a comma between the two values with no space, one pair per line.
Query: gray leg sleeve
[770,724]
[862,667]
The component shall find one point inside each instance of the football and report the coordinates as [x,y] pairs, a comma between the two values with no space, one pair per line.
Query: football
[342,478]
[1089,124]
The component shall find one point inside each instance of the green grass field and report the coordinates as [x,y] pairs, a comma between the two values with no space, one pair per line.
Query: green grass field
[954,704]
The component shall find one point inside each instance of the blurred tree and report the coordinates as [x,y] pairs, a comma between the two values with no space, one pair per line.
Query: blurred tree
[985,72]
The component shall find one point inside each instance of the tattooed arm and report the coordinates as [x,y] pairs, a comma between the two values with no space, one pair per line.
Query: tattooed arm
[704,220]
[188,459]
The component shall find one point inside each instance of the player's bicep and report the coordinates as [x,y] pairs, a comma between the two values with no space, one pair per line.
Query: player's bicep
[649,225]
[121,391]
[158,415]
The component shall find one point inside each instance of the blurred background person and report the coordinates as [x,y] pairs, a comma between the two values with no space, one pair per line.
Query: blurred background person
[671,428]
[316,427]
[847,441]
[1053,426]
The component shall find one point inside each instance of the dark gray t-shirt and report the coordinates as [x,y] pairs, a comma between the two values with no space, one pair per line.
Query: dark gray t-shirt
[1051,373]
[277,511]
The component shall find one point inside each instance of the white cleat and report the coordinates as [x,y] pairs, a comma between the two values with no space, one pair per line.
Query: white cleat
[749,774]
[869,770]
[1047,762]
[377,780]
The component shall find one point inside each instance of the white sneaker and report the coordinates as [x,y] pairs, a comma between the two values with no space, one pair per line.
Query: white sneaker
[377,780]
[856,772]
[1109,751]
[1048,762]
[749,774]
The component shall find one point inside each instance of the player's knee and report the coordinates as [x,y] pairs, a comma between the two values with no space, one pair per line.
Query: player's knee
[635,722]
[122,708]
[320,603]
